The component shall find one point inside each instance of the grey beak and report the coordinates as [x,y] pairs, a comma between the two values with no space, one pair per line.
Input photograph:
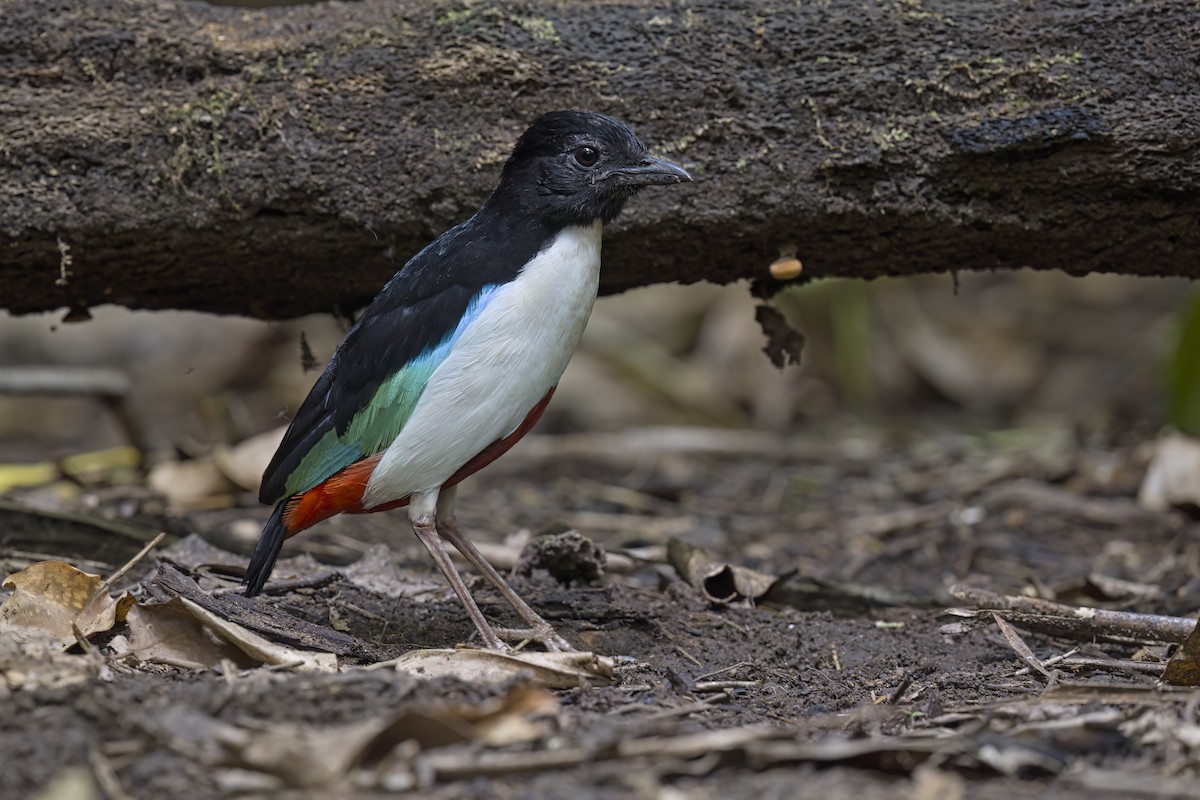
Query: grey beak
[652,171]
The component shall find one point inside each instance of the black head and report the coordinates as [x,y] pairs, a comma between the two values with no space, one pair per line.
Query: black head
[574,167]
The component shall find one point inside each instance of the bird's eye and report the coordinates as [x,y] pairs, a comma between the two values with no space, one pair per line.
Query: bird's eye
[586,156]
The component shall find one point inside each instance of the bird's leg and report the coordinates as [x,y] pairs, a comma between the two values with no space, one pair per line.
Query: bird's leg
[539,629]
[424,526]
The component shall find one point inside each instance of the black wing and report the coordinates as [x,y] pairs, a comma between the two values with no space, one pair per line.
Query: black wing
[415,312]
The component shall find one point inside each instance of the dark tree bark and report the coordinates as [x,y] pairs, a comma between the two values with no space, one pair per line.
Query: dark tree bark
[168,154]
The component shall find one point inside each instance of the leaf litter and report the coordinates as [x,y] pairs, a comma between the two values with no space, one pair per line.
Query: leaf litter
[53,601]
[1021,691]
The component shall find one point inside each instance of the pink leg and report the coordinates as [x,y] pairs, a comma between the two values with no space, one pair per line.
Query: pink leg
[539,629]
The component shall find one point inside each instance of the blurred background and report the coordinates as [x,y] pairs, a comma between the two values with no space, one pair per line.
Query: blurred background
[990,350]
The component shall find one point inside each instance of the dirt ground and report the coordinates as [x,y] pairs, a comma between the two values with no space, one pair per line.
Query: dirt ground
[849,678]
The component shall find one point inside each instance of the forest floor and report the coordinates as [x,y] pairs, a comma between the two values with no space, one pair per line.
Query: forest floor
[846,672]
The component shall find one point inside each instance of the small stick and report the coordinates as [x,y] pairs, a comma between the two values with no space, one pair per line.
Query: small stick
[899,691]
[723,670]
[111,579]
[80,639]
[703,687]
[1049,662]
[1082,622]
[688,656]
[1019,647]
[1123,664]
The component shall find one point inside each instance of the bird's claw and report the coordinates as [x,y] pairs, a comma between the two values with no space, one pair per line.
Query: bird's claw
[543,635]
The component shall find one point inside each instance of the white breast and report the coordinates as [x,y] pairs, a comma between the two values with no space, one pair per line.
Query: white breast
[500,367]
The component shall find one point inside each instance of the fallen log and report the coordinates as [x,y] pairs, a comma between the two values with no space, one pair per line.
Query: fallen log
[282,161]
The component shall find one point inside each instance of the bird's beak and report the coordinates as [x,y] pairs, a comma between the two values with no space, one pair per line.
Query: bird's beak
[652,171]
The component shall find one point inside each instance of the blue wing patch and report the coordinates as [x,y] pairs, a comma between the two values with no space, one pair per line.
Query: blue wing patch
[377,423]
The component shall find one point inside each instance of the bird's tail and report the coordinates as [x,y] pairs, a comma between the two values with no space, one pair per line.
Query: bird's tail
[267,550]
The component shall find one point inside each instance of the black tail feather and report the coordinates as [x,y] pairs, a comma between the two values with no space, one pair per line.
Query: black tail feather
[266,552]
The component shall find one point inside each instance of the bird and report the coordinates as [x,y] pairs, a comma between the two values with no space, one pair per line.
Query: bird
[458,355]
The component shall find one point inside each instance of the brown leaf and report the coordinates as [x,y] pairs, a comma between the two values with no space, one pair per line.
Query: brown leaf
[549,670]
[1184,667]
[518,716]
[718,581]
[259,648]
[1019,647]
[51,599]
[322,755]
[168,633]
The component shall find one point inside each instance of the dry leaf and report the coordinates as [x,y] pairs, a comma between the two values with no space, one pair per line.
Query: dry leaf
[169,633]
[261,649]
[548,670]
[1184,667]
[311,756]
[720,582]
[183,634]
[51,599]
[301,755]
[377,571]
[1020,647]
[519,716]
[193,552]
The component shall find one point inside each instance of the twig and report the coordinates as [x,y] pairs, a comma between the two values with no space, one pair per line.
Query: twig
[1020,648]
[688,656]
[80,639]
[1123,664]
[901,688]
[704,687]
[111,579]
[723,670]
[1079,622]
[1049,662]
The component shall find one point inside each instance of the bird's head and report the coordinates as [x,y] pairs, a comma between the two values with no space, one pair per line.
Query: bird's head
[574,167]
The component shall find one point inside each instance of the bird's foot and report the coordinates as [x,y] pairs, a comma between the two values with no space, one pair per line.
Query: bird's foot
[543,634]
[539,629]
